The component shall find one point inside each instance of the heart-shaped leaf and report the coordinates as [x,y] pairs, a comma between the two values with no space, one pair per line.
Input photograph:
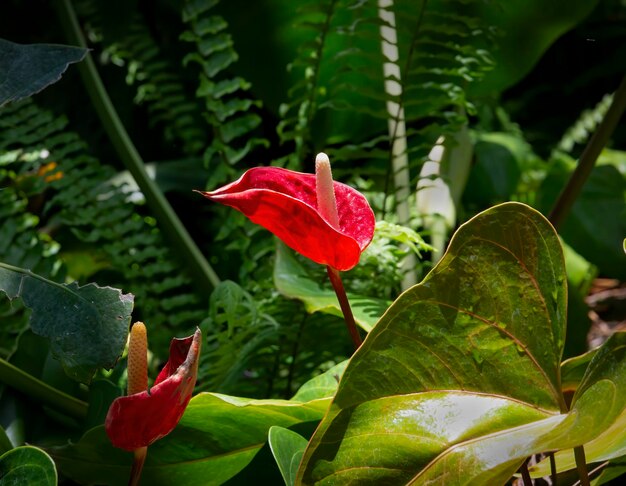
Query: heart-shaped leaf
[27,465]
[27,69]
[472,350]
[87,326]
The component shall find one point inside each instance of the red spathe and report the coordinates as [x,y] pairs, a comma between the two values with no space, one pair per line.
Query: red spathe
[285,203]
[138,420]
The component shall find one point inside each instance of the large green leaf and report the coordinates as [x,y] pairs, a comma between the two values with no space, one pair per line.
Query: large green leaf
[27,465]
[611,443]
[292,281]
[27,69]
[217,437]
[472,350]
[87,326]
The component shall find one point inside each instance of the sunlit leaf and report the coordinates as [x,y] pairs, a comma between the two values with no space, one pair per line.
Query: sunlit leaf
[288,448]
[474,349]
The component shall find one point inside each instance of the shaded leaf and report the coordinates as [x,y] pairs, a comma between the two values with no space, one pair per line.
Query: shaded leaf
[596,225]
[27,465]
[87,326]
[288,448]
[27,69]
[5,442]
[292,281]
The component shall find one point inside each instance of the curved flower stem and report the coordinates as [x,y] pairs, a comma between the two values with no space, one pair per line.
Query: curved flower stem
[139,458]
[335,279]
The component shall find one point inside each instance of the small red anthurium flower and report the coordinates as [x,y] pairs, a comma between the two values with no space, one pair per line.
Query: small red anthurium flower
[143,416]
[287,203]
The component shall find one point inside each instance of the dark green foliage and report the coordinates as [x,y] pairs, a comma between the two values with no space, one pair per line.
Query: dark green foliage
[73,191]
[154,73]
[230,112]
[27,69]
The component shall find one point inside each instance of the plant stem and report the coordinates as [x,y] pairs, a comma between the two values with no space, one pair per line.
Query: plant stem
[525,474]
[202,272]
[16,378]
[589,156]
[553,475]
[348,317]
[138,461]
[581,465]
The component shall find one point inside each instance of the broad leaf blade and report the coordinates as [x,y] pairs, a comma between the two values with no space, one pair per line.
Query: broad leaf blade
[287,447]
[87,326]
[291,281]
[481,335]
[608,365]
[27,465]
[597,420]
[217,437]
[27,69]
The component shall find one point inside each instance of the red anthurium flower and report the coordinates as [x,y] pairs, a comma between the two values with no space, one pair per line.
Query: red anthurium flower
[285,202]
[142,417]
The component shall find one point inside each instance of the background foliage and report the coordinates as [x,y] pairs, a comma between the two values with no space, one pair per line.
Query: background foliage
[207,89]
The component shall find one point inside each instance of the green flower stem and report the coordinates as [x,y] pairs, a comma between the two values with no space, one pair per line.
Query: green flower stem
[581,465]
[527,480]
[335,279]
[29,385]
[589,156]
[202,272]
[138,461]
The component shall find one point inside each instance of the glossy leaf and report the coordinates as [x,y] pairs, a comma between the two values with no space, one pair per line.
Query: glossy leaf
[292,281]
[137,420]
[87,326]
[474,349]
[27,465]
[285,203]
[27,69]
[217,437]
[287,448]
[607,367]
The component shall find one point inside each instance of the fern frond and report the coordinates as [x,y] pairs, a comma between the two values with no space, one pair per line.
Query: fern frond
[230,111]
[78,195]
[585,125]
[157,79]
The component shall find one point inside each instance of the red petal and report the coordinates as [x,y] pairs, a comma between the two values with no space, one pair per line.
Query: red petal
[285,202]
[138,420]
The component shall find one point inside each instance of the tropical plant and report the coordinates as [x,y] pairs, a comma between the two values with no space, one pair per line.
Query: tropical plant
[490,180]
